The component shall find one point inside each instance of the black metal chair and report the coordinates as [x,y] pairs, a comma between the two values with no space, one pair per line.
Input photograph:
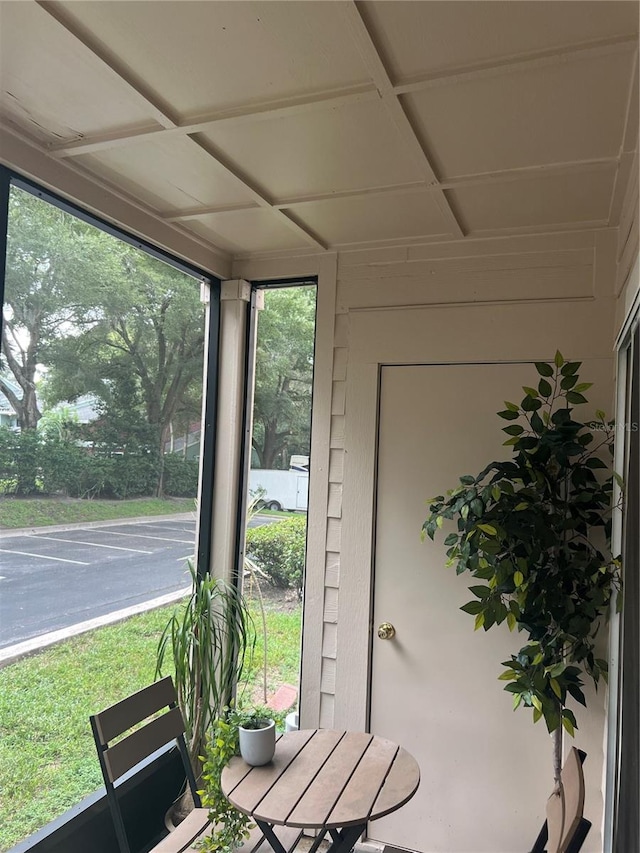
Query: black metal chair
[156,708]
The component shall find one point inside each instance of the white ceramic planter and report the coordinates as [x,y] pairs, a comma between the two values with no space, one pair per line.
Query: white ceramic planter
[257,746]
[292,722]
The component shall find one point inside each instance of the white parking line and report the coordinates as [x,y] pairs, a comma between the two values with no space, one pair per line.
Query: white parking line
[44,557]
[94,544]
[158,538]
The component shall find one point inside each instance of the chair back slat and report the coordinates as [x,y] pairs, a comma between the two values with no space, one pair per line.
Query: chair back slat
[128,752]
[573,784]
[565,807]
[118,718]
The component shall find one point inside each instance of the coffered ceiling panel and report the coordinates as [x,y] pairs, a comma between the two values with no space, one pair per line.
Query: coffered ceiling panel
[246,231]
[575,111]
[203,56]
[557,200]
[51,85]
[425,38]
[374,218]
[263,126]
[168,173]
[345,147]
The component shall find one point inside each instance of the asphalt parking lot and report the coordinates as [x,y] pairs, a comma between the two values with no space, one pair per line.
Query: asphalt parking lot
[50,579]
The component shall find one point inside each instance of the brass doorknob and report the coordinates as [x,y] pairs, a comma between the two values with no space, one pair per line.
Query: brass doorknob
[386,631]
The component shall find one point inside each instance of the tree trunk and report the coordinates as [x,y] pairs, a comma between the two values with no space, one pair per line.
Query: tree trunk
[558,738]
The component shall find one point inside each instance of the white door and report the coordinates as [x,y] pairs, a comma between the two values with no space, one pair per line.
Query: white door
[485,770]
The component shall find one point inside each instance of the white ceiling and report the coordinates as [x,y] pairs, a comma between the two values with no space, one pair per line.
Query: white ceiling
[259,127]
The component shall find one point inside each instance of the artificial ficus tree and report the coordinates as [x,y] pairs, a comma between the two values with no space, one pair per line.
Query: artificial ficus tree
[534,531]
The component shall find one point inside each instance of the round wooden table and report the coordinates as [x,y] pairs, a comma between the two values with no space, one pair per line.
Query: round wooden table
[330,781]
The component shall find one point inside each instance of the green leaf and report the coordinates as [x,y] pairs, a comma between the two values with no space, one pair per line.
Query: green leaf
[509,415]
[537,714]
[545,388]
[489,529]
[495,492]
[574,397]
[558,360]
[509,675]
[537,423]
[594,463]
[472,607]
[543,368]
[518,578]
[568,725]
[451,539]
[511,406]
[570,368]
[479,622]
[530,392]
[583,386]
[511,621]
[522,505]
[480,591]
[511,441]
[477,507]
[555,686]
[535,701]
[513,429]
[467,480]
[568,382]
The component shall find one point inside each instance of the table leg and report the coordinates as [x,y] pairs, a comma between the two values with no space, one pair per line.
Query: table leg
[272,838]
[344,839]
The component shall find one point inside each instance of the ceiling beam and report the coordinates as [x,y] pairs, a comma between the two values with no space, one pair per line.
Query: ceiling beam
[74,183]
[522,173]
[156,110]
[280,108]
[258,196]
[380,76]
[528,61]
[170,123]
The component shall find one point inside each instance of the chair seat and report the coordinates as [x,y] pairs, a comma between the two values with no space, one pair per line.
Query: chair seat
[196,826]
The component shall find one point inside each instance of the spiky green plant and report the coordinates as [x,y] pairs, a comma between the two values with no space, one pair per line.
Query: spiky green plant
[210,640]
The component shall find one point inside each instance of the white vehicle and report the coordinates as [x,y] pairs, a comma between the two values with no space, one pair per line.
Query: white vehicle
[280,489]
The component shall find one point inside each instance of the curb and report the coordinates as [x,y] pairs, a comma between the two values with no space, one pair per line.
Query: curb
[11,654]
[6,532]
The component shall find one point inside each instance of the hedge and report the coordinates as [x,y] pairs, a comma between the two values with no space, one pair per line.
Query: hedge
[279,550]
[35,463]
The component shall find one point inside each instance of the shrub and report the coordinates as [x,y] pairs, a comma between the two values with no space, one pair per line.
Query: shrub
[20,454]
[63,467]
[279,550]
[180,476]
[131,475]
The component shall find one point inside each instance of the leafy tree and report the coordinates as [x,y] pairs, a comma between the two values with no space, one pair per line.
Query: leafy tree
[145,352]
[284,373]
[53,261]
[535,533]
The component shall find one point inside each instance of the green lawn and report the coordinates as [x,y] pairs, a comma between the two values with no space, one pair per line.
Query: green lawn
[39,512]
[47,756]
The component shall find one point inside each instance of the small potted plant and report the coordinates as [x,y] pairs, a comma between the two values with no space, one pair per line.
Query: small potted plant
[256,736]
[223,743]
